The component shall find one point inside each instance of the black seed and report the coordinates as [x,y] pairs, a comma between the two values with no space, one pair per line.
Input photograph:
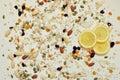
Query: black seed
[106,57]
[102,12]
[74,51]
[10,27]
[78,48]
[64,6]
[23,65]
[62,39]
[57,46]
[112,44]
[65,15]
[64,30]
[92,55]
[59,68]
[16,7]
[14,55]
[20,13]
[23,33]
[109,24]
[74,47]
[23,7]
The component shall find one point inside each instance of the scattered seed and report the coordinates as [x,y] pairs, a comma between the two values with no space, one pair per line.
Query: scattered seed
[59,68]
[112,44]
[109,24]
[92,55]
[16,7]
[69,32]
[61,49]
[24,57]
[34,76]
[102,12]
[57,46]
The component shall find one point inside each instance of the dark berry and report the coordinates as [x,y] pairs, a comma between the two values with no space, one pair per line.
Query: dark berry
[16,7]
[14,55]
[23,7]
[74,47]
[65,15]
[20,13]
[64,6]
[92,55]
[78,48]
[112,44]
[109,24]
[64,30]
[23,33]
[74,51]
[23,65]
[57,46]
[102,12]
[59,68]
[62,39]
[10,27]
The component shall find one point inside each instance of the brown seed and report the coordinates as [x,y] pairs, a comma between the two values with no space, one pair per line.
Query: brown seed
[45,0]
[61,49]
[91,64]
[41,3]
[69,32]
[34,76]
[72,8]
[24,57]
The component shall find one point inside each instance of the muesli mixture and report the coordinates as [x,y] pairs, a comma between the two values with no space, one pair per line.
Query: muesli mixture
[46,41]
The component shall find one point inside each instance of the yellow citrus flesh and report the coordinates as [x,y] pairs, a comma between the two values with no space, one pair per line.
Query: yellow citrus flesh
[101,48]
[87,39]
[102,33]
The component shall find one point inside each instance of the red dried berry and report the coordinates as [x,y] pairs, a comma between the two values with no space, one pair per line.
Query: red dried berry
[34,76]
[24,57]
[41,3]
[91,64]
[61,49]
[69,32]
[72,8]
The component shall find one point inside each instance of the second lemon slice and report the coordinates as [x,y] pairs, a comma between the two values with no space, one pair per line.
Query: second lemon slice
[101,32]
[101,48]
[87,39]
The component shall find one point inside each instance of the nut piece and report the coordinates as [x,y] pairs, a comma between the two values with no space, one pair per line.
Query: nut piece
[17,74]
[10,56]
[7,33]
[33,55]
[12,65]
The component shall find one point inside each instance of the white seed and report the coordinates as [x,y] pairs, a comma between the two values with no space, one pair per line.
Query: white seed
[10,56]
[7,33]
[18,53]
[17,74]
[33,55]
[66,40]
[12,65]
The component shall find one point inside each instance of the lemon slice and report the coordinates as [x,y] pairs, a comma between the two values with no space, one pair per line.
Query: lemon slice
[101,32]
[87,39]
[101,48]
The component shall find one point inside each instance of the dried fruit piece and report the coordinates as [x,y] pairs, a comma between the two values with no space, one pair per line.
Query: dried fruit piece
[61,49]
[34,76]
[24,57]
[69,32]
